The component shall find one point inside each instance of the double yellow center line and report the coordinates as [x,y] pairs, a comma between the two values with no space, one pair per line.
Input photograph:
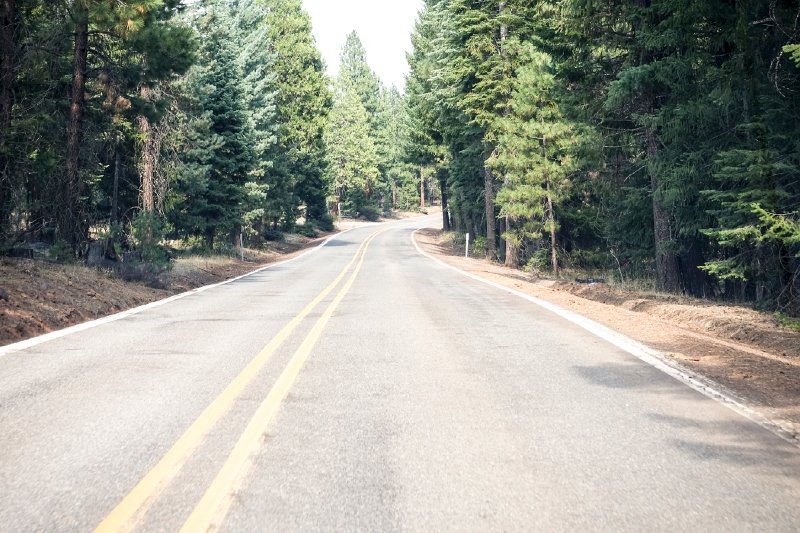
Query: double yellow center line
[214,504]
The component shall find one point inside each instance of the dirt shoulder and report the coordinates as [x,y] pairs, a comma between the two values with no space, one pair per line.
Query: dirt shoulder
[37,297]
[745,351]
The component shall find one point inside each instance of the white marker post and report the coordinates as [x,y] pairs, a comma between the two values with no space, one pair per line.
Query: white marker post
[466,252]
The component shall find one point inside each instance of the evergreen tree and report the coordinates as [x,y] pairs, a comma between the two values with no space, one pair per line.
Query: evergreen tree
[100,20]
[302,102]
[390,145]
[354,67]
[488,38]
[266,196]
[212,189]
[535,154]
[427,105]
[375,99]
[77,68]
[352,158]
[755,193]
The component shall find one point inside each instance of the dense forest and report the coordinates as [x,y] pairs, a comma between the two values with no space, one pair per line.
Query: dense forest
[658,139]
[210,122]
[647,139]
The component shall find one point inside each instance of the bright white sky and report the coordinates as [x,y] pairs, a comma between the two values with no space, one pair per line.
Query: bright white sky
[384,27]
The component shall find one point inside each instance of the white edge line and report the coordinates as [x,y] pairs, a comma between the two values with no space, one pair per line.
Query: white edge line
[652,357]
[35,341]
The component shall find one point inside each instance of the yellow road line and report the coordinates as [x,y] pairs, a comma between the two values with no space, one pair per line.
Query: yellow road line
[214,505]
[133,507]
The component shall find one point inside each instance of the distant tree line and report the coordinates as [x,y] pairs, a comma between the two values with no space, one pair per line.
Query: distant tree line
[657,139]
[365,138]
[131,122]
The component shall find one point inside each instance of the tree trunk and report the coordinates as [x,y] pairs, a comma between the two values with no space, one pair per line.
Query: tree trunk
[421,188]
[501,241]
[209,238]
[667,274]
[510,249]
[147,158]
[115,189]
[70,220]
[488,196]
[512,256]
[6,103]
[443,186]
[503,28]
[551,221]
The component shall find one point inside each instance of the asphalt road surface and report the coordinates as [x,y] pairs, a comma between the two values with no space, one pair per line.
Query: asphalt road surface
[364,387]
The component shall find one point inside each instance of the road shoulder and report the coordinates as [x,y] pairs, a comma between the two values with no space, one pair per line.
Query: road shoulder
[765,380]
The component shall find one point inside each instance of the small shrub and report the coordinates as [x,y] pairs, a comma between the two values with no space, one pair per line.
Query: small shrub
[325,223]
[370,213]
[788,322]
[61,252]
[478,247]
[539,261]
[307,230]
[147,232]
[457,240]
[273,235]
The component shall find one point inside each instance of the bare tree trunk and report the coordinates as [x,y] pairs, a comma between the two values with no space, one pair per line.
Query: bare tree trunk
[421,188]
[667,274]
[551,221]
[115,189]
[488,196]
[512,257]
[209,237]
[147,158]
[70,220]
[443,186]
[6,103]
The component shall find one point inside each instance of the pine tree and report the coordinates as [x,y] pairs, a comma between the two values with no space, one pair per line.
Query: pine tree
[352,158]
[441,135]
[266,198]
[535,154]
[302,102]
[156,55]
[390,145]
[755,194]
[354,67]
[7,65]
[212,187]
[119,22]
[435,128]
[374,97]
[489,35]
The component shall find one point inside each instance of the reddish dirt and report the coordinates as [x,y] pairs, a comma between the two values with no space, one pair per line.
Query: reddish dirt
[745,351]
[37,297]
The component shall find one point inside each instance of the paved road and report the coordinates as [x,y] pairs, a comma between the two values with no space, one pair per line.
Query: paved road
[405,397]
